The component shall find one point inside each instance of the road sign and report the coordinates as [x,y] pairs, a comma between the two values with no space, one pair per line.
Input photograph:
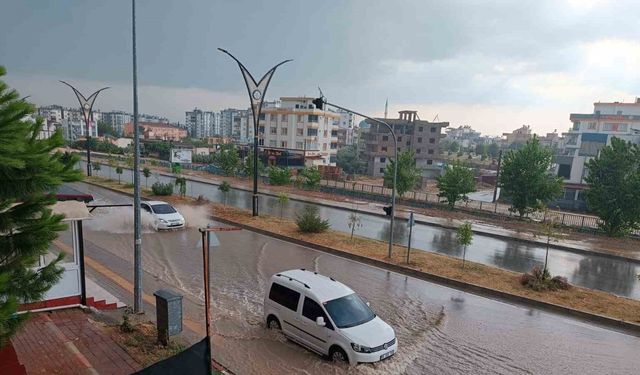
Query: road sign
[213,241]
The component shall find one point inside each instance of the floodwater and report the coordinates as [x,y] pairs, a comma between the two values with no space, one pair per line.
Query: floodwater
[440,330]
[592,271]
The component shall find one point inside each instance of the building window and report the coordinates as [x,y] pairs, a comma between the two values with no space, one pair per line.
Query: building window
[592,126]
[383,148]
[399,139]
[408,143]
[261,142]
[312,118]
[274,118]
[564,171]
[262,116]
[300,119]
[274,130]
[433,129]
[283,131]
[429,162]
[283,118]
[420,128]
[419,139]
[432,140]
[418,151]
[299,132]
[334,146]
[381,170]
[383,160]
[334,133]
[430,151]
[261,129]
[272,143]
[324,147]
[399,149]
[385,137]
[300,145]
[326,133]
[283,144]
[312,132]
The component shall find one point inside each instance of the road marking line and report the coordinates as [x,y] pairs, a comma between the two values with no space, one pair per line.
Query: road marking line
[196,327]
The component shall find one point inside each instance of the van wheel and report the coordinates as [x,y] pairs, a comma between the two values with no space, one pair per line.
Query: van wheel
[336,354]
[273,323]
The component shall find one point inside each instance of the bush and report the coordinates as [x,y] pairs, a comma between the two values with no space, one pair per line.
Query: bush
[279,176]
[159,188]
[540,280]
[311,222]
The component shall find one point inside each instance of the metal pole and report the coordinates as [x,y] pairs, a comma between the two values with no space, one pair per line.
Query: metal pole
[207,302]
[86,124]
[495,190]
[410,231]
[137,249]
[395,167]
[255,170]
[83,280]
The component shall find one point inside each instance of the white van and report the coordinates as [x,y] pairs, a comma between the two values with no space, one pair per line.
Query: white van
[327,317]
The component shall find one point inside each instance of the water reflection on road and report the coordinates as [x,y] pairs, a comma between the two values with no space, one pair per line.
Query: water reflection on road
[613,275]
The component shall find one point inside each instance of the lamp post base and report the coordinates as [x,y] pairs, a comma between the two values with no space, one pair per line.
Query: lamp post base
[255,204]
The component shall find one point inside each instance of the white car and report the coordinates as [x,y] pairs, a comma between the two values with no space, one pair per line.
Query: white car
[164,215]
[327,317]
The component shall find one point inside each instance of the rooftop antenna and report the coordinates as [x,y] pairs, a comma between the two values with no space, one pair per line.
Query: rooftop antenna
[436,118]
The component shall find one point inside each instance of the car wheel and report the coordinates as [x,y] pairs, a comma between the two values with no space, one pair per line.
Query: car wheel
[273,323]
[338,355]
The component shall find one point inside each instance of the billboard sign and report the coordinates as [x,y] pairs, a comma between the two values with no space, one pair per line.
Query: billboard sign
[182,156]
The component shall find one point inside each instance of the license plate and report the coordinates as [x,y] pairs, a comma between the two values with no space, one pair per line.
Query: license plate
[386,355]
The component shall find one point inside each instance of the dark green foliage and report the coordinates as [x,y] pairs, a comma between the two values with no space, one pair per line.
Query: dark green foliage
[481,149]
[119,172]
[162,149]
[348,159]
[456,183]
[146,173]
[176,168]
[614,187]
[160,188]
[96,166]
[464,236]
[181,185]
[228,159]
[540,280]
[409,175]
[309,221]
[99,146]
[493,150]
[279,176]
[311,177]
[526,178]
[203,159]
[106,129]
[30,168]
[247,166]
[224,188]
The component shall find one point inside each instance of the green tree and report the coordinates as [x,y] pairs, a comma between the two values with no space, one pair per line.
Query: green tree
[354,222]
[279,176]
[348,159]
[283,199]
[181,184]
[30,169]
[409,175]
[311,177]
[176,168]
[481,148]
[247,166]
[464,237]
[105,129]
[146,172]
[456,183]
[454,146]
[309,221]
[224,188]
[526,178]
[96,167]
[493,150]
[614,187]
[227,159]
[119,172]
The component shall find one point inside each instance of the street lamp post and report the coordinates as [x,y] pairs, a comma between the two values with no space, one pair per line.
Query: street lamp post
[319,102]
[257,93]
[86,106]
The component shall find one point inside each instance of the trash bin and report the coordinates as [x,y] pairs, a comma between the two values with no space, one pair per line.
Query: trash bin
[168,314]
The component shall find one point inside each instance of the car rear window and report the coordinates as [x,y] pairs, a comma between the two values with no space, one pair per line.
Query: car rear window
[284,296]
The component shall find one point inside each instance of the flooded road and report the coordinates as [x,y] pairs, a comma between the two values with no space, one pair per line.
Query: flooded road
[440,330]
[592,271]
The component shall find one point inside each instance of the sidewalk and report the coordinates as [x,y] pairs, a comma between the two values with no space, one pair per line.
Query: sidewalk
[69,342]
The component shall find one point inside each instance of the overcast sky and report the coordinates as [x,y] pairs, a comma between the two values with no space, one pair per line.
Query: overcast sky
[494,65]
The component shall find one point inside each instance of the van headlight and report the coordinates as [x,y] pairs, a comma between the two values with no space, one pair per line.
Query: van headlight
[360,348]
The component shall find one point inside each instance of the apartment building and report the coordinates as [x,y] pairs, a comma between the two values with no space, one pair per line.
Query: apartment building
[117,119]
[297,127]
[201,124]
[157,131]
[423,137]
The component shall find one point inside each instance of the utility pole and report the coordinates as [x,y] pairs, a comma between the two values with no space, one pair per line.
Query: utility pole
[137,234]
[495,189]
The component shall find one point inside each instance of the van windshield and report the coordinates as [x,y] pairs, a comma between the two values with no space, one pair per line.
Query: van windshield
[349,311]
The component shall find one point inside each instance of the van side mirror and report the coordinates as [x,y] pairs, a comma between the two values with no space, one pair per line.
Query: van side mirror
[320,321]
[368,304]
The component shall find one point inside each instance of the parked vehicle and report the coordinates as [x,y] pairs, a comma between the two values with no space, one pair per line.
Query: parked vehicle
[327,317]
[165,216]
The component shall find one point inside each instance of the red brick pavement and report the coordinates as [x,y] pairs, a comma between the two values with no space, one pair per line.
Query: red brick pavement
[69,342]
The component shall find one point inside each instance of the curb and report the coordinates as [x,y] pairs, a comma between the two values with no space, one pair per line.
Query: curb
[616,324]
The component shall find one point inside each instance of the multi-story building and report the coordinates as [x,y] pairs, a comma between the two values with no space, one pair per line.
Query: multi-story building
[517,138]
[423,137]
[156,130]
[200,124]
[347,136]
[227,118]
[117,119]
[297,127]
[464,135]
[52,112]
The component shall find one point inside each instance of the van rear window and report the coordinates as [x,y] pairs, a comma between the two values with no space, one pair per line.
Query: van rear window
[284,296]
